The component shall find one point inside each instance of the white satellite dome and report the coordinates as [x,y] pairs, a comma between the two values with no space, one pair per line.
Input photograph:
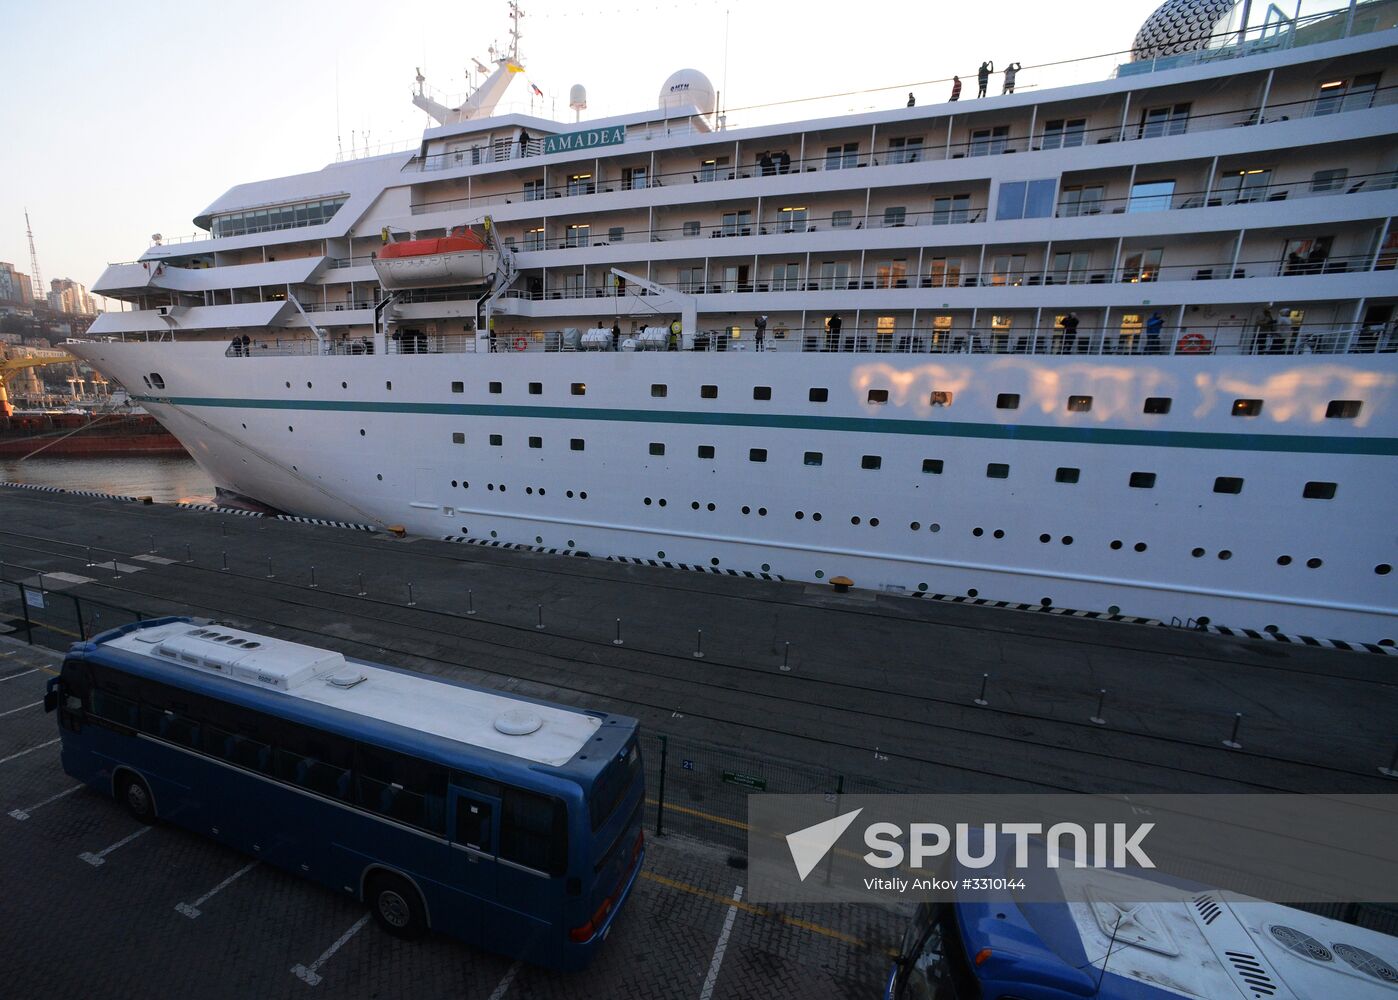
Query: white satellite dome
[577,97]
[687,88]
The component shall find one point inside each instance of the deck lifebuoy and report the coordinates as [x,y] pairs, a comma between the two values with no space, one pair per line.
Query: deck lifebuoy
[1194,343]
[521,344]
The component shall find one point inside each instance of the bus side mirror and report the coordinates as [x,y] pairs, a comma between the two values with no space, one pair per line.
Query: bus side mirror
[51,699]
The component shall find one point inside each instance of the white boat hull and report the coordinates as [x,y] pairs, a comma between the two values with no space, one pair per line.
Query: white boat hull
[464,267]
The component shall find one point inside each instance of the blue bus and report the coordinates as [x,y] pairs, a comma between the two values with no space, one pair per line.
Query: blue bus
[510,823]
[1207,944]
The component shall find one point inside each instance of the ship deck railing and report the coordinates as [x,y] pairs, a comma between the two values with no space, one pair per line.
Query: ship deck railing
[762,167]
[1044,339]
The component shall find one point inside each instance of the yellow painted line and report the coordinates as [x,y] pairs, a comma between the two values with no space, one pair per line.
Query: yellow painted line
[759,911]
[671,807]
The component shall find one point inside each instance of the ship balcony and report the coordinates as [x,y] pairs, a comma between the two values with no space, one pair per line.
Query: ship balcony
[120,280]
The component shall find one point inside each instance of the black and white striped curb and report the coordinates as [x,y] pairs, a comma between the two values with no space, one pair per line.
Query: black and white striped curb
[325,522]
[75,493]
[495,543]
[1302,640]
[215,509]
[1041,609]
[715,570]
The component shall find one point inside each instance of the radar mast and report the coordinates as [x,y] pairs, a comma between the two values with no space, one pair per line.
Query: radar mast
[482,102]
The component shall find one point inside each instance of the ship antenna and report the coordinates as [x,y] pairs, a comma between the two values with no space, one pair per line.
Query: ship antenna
[515,15]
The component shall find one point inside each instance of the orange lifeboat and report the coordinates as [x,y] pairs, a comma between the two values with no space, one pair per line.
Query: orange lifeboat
[462,258]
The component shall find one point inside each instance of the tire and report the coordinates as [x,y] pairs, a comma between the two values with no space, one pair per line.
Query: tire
[134,794]
[396,906]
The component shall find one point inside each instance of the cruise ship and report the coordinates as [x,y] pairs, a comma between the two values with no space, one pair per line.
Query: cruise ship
[1125,347]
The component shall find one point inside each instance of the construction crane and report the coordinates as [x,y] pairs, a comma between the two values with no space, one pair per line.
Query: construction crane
[9,366]
[40,295]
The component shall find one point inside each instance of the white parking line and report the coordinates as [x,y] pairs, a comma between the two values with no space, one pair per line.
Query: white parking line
[100,858]
[308,974]
[22,673]
[23,814]
[191,910]
[6,760]
[504,986]
[21,708]
[708,991]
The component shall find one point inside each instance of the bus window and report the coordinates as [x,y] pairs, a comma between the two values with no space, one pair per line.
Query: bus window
[931,963]
[534,831]
[114,708]
[473,828]
[169,725]
[613,784]
[402,788]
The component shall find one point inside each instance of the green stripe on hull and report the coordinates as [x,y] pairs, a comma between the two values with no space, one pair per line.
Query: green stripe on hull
[1290,443]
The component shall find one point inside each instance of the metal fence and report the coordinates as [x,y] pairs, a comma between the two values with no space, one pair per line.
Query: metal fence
[55,619]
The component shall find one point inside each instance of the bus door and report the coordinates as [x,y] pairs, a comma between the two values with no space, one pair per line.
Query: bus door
[475,838]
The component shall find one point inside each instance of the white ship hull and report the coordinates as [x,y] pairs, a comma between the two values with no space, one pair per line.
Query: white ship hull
[364,452]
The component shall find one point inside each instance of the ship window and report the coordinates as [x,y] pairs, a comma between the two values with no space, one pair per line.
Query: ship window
[763,392]
[846,156]
[1319,491]
[989,141]
[895,216]
[497,439]
[534,190]
[1061,133]
[388,386]
[878,395]
[1151,196]
[458,387]
[156,380]
[1066,475]
[1346,95]
[536,442]
[1344,409]
[932,466]
[579,389]
[871,462]
[1157,404]
[1007,401]
[997,470]
[706,451]
[951,209]
[1329,180]
[577,444]
[579,234]
[534,239]
[1026,199]
[659,390]
[708,392]
[940,397]
[1142,481]
[757,454]
[1247,407]
[691,228]
[1079,404]
[536,388]
[1228,484]
[842,219]
[814,458]
[457,437]
[657,448]
[616,234]
[819,395]
[496,388]
[1168,120]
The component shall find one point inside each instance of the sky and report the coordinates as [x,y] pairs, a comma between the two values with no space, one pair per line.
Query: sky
[123,119]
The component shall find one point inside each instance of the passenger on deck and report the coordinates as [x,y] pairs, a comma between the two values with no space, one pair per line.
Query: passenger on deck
[783,162]
[616,335]
[1010,72]
[983,76]
[247,346]
[1070,332]
[760,325]
[1154,325]
[833,324]
[955,88]
[912,101]
[235,346]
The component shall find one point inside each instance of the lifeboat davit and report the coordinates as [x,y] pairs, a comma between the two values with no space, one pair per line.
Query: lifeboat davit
[463,258]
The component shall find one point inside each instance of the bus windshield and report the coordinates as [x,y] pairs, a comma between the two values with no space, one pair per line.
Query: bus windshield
[931,962]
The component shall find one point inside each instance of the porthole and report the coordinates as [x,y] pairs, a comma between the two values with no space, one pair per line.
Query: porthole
[914,526]
[1314,563]
[1283,560]
[999,533]
[1271,628]
[453,484]
[762,512]
[1225,554]
[694,505]
[494,535]
[490,486]
[816,516]
[1202,619]
[581,496]
[973,592]
[854,520]
[766,568]
[714,561]
[361,433]
[800,514]
[1113,610]
[873,522]
[978,532]
[541,493]
[1045,538]
[245,427]
[466,486]
[922,587]
[569,494]
[290,429]
[572,544]
[1116,543]
[647,501]
[539,539]
[379,477]
[1199,554]
[1383,569]
[711,508]
[660,554]
[820,574]
[288,385]
[1067,539]
[1139,546]
[1045,602]
[934,527]
[747,509]
[344,385]
[529,491]
[308,385]
[663,501]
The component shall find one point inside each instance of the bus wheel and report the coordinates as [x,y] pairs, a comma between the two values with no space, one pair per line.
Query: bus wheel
[133,793]
[396,906]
